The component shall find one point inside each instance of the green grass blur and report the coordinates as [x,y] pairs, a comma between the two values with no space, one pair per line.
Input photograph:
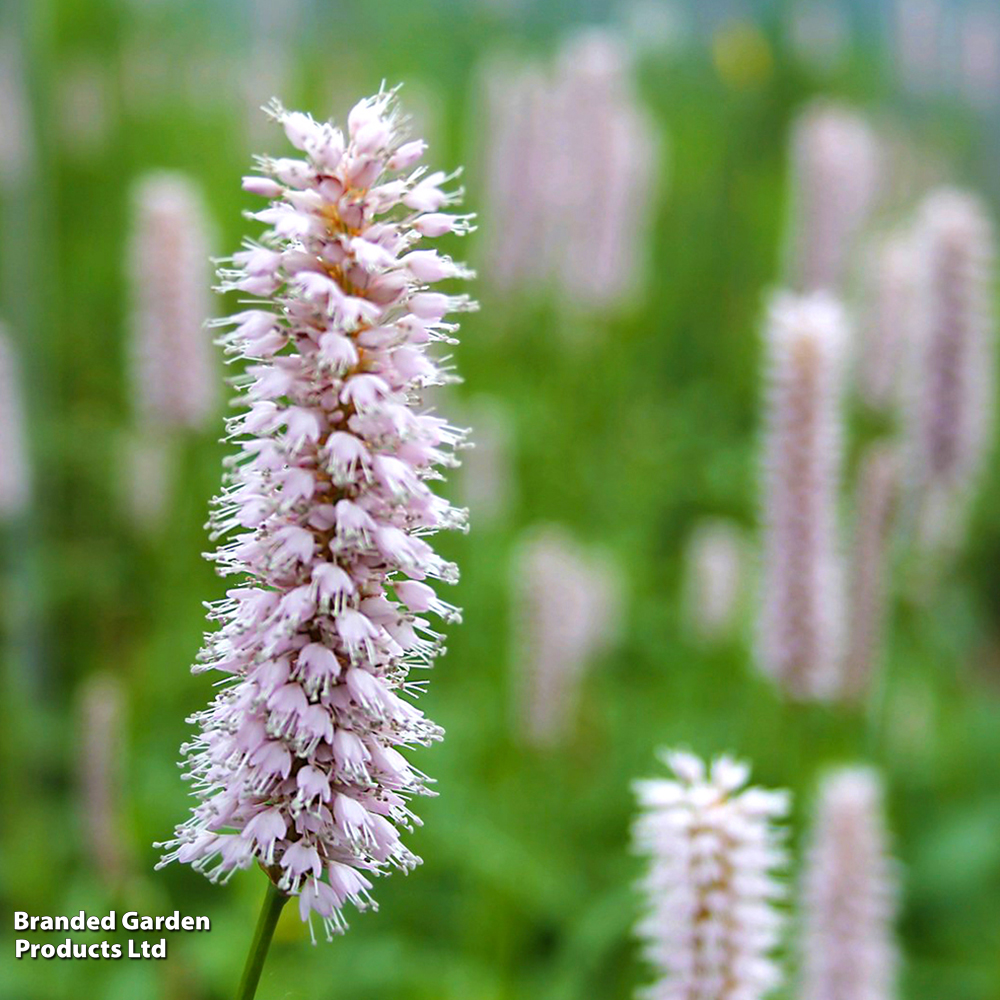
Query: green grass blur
[629,438]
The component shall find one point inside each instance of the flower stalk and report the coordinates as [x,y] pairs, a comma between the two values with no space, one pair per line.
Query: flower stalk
[270,911]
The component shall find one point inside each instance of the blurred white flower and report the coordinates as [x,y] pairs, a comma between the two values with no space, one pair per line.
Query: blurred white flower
[917,30]
[102,767]
[979,54]
[17,139]
[819,34]
[84,106]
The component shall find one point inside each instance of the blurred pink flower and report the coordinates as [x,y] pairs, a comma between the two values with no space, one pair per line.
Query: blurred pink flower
[328,507]
[174,380]
[715,853]
[15,486]
[950,404]
[848,894]
[875,504]
[602,173]
[889,330]
[801,614]
[572,169]
[567,610]
[102,760]
[835,176]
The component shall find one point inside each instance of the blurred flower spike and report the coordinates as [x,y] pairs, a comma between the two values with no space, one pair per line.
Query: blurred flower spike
[801,623]
[849,894]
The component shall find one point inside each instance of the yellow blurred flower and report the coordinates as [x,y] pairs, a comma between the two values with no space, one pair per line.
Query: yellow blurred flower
[742,55]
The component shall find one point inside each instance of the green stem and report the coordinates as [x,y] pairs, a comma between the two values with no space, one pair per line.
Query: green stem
[274,901]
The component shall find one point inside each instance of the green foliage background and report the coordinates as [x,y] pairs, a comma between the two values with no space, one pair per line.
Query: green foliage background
[630,437]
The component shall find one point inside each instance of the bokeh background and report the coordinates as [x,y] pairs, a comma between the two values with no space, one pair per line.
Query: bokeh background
[614,424]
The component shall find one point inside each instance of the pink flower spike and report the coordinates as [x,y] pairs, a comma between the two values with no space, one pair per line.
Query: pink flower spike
[325,515]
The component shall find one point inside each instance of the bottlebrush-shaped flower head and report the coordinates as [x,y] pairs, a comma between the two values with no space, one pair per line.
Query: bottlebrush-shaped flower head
[297,764]
[801,608]
[174,379]
[950,403]
[715,849]
[848,894]
[14,477]
[835,171]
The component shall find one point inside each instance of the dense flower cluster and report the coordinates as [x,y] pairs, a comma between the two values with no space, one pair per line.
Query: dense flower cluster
[714,848]
[296,764]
